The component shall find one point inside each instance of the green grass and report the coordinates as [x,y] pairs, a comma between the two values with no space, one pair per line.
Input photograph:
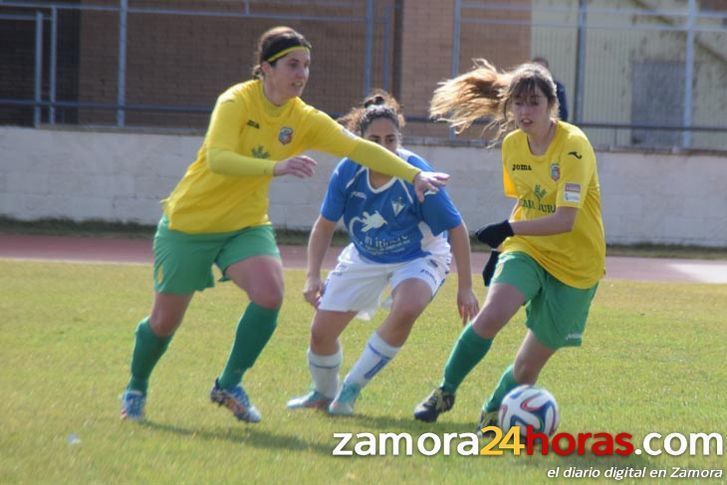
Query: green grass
[653,360]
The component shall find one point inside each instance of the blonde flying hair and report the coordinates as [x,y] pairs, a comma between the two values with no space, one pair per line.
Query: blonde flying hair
[485,92]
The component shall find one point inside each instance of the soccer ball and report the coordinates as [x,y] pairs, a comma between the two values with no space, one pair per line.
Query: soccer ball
[529,405]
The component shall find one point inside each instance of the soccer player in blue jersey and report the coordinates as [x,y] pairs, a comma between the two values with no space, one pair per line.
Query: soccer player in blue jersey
[395,240]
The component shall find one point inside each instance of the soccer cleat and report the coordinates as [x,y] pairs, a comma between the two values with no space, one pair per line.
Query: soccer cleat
[343,403]
[312,400]
[132,405]
[438,402]
[235,400]
[487,419]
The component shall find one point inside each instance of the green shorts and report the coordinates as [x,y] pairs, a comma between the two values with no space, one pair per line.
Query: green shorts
[555,312]
[183,262]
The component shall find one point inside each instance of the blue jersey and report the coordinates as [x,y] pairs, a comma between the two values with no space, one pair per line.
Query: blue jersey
[389,224]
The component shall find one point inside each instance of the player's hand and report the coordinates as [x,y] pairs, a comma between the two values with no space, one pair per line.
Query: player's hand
[494,234]
[300,166]
[489,270]
[467,304]
[429,182]
[313,290]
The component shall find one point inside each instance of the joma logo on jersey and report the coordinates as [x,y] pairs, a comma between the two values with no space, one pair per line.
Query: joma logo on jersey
[254,124]
[521,166]
[285,135]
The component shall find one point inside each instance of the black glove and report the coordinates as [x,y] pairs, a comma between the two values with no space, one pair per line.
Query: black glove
[489,270]
[494,234]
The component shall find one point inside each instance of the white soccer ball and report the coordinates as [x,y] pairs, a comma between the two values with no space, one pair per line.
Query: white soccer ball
[529,406]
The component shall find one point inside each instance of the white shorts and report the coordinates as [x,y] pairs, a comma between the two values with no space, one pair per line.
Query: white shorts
[357,285]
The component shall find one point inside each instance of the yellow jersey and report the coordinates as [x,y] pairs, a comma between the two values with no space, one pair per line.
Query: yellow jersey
[565,176]
[245,122]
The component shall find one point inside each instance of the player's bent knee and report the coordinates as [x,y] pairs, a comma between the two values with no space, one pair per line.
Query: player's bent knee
[267,298]
[408,312]
[164,324]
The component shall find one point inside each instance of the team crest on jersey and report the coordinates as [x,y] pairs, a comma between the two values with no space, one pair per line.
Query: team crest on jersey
[285,135]
[555,171]
[397,205]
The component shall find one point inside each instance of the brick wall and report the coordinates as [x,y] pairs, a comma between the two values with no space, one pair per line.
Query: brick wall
[427,41]
[190,59]
[175,59]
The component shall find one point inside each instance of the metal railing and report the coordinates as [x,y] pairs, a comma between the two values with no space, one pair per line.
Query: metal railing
[639,73]
[45,102]
[624,36]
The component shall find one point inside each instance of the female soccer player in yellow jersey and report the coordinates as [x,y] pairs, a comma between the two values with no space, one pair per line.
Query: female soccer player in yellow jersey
[217,214]
[553,246]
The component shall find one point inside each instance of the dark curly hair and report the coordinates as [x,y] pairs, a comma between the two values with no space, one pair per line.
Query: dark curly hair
[378,104]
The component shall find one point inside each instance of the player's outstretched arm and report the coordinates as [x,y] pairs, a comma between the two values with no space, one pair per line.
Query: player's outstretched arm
[466,300]
[318,243]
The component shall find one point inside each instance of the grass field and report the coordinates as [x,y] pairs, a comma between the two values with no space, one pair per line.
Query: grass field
[653,360]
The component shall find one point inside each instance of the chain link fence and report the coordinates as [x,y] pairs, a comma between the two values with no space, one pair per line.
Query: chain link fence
[637,73]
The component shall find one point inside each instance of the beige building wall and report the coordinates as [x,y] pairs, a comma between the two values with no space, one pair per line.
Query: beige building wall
[611,54]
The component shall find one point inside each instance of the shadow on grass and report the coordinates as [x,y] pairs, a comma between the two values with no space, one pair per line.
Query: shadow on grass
[265,439]
[248,435]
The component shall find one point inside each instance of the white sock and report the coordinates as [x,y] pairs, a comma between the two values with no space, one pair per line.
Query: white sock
[324,371]
[375,356]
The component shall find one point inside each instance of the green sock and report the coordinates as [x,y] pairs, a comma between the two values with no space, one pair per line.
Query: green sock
[253,331]
[468,351]
[507,383]
[148,349]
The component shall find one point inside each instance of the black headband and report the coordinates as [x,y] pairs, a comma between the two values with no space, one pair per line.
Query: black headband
[280,47]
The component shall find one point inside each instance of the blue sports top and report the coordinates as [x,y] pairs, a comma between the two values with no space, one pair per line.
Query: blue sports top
[389,224]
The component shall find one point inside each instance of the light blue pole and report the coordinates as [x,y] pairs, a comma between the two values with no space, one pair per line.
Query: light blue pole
[456,34]
[37,88]
[121,83]
[580,62]
[368,61]
[689,73]
[53,64]
[387,34]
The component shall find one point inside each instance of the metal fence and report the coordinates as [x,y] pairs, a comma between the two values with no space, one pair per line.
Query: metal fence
[637,73]
[142,63]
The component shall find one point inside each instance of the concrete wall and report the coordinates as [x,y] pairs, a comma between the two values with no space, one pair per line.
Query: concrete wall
[647,197]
